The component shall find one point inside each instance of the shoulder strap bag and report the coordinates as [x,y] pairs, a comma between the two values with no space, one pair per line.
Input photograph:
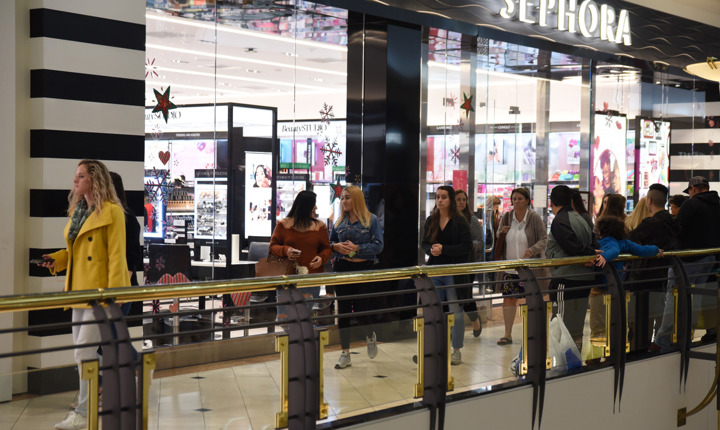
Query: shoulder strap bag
[274,266]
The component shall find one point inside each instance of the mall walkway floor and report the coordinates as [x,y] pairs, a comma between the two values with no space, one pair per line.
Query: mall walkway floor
[244,394]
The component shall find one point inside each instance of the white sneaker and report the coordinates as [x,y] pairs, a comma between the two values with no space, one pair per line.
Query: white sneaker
[455,357]
[343,361]
[372,350]
[72,421]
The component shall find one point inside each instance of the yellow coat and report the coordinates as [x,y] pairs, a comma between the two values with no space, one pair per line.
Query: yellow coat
[96,259]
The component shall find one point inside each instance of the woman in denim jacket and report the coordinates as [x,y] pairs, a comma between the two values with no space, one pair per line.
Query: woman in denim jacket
[356,241]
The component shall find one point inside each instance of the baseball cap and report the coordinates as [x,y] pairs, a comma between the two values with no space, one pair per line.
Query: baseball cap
[696,180]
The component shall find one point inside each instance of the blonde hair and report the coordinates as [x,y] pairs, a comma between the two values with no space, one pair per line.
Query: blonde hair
[638,214]
[102,187]
[358,207]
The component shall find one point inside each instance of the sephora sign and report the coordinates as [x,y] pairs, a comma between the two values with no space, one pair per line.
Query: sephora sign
[589,18]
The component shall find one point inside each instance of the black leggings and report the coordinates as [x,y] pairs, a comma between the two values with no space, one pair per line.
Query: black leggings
[353,305]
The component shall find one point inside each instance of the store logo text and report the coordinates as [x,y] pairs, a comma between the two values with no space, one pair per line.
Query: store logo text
[588,17]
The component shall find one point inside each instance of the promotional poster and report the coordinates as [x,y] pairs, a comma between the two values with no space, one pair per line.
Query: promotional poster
[258,194]
[608,169]
[653,141]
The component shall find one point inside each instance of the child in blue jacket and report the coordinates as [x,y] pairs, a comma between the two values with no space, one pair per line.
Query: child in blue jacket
[613,242]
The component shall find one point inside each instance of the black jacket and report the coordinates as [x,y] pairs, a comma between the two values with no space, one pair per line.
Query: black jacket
[662,231]
[699,222]
[457,248]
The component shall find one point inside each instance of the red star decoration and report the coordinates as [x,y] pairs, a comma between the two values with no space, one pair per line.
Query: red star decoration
[467,105]
[337,191]
[164,104]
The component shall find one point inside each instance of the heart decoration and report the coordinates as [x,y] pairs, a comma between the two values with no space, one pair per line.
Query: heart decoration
[164,156]
[170,279]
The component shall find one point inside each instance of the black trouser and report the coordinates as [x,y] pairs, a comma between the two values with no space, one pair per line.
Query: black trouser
[574,304]
[353,305]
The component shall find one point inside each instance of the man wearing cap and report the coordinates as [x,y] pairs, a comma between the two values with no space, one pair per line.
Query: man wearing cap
[699,227]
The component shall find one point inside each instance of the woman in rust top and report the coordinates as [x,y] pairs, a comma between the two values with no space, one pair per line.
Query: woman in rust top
[302,238]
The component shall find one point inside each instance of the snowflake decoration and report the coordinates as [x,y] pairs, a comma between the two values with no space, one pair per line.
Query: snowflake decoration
[160,263]
[357,179]
[609,120]
[461,125]
[326,114]
[451,101]
[158,190]
[331,150]
[156,131]
[150,68]
[455,154]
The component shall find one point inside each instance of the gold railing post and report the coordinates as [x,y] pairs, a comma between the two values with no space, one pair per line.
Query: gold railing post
[548,360]
[450,324]
[627,329]
[91,373]
[675,315]
[324,408]
[281,346]
[607,300]
[419,328]
[524,363]
[148,365]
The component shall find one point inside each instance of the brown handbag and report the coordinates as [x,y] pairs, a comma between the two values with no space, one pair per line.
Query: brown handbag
[274,266]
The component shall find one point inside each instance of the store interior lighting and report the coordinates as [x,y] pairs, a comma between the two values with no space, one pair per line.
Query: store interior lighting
[710,69]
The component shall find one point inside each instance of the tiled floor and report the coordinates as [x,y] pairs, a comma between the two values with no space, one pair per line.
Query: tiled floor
[245,394]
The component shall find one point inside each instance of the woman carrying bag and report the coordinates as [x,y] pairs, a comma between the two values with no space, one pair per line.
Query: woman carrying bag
[521,234]
[302,239]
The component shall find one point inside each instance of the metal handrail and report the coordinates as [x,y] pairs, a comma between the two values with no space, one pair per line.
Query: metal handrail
[195,289]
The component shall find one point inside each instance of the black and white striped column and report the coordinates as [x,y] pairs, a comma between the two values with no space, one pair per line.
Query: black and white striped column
[85,62]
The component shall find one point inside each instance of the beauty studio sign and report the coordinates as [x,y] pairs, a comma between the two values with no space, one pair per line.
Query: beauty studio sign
[589,18]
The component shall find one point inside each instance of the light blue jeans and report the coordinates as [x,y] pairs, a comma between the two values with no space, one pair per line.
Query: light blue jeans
[694,271]
[449,294]
[308,293]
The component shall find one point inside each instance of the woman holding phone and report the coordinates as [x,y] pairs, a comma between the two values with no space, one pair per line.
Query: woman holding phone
[357,239]
[94,259]
[303,239]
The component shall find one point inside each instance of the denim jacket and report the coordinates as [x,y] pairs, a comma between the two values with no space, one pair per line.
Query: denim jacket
[368,239]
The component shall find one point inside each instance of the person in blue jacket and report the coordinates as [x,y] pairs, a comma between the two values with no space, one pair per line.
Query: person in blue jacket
[613,242]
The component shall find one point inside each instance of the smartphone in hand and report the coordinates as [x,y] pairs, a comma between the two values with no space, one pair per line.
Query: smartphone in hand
[41,260]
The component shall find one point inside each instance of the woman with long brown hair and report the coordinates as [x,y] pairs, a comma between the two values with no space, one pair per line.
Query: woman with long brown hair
[447,240]
[94,259]
[303,239]
[357,239]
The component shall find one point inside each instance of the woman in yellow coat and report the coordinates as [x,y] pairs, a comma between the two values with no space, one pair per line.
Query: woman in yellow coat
[94,259]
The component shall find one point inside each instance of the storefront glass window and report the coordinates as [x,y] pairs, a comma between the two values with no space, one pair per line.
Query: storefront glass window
[245,107]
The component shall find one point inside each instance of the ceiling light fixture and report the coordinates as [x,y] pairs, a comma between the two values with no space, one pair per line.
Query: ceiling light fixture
[251,50]
[248,33]
[236,78]
[241,59]
[709,70]
[252,70]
